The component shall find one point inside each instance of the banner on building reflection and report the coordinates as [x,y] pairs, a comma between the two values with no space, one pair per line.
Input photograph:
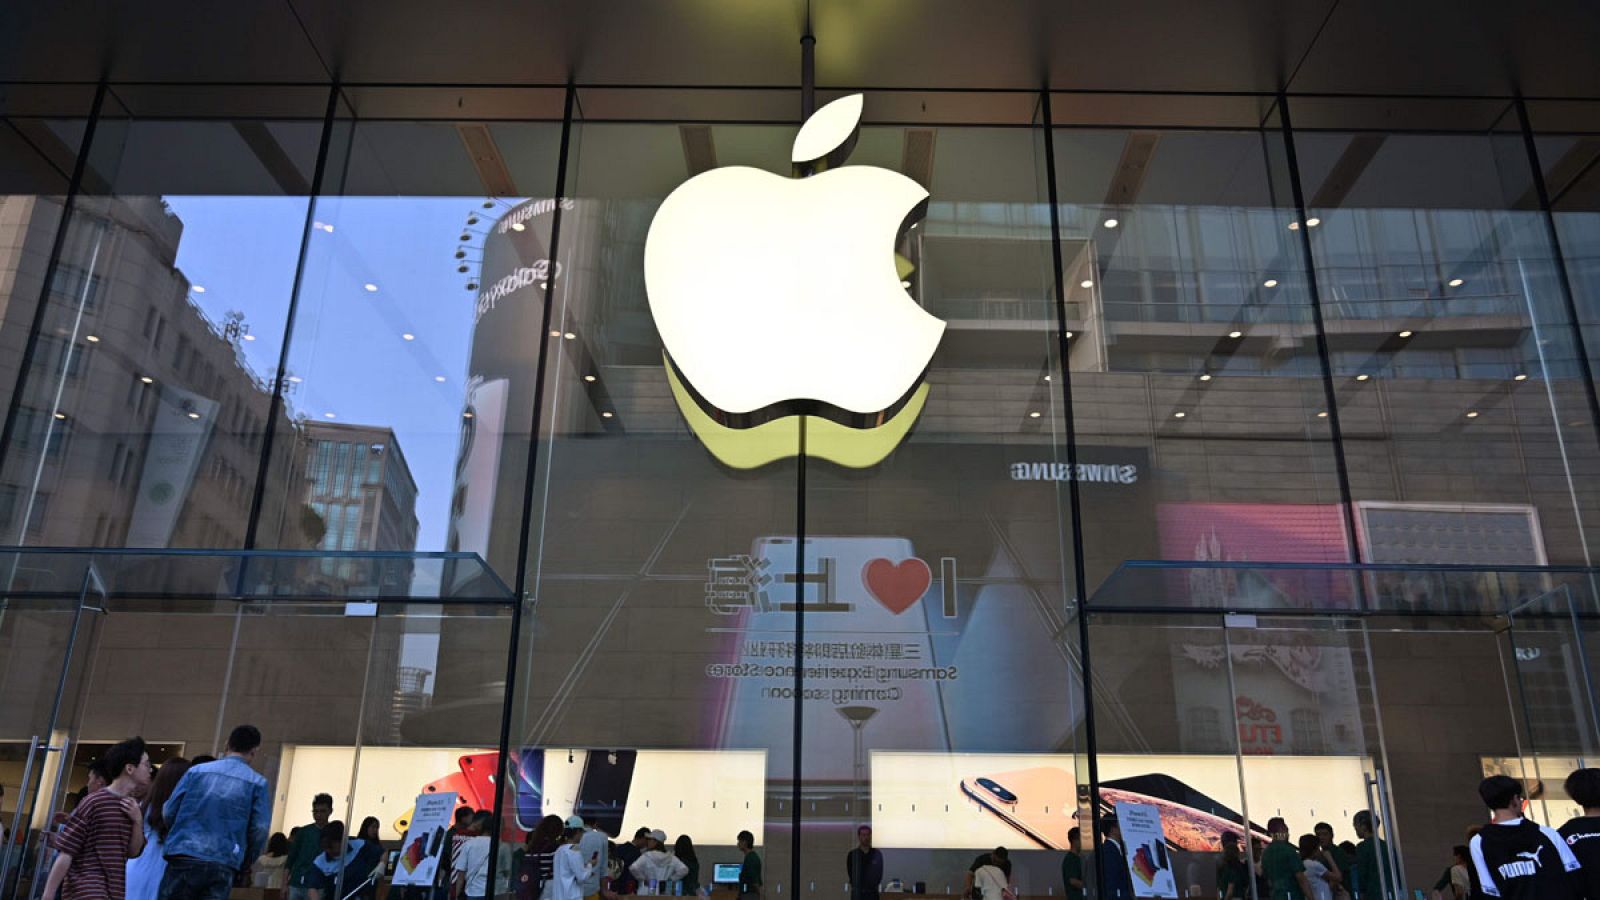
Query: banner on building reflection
[178,433]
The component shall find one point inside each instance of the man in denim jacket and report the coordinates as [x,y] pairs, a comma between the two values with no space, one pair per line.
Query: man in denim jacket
[219,815]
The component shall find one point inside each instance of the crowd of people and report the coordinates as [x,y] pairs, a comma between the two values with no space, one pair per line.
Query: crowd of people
[196,829]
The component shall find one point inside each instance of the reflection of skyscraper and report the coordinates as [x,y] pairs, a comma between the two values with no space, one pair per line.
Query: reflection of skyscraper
[358,481]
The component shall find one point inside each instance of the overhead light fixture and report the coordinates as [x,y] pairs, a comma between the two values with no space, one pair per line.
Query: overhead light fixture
[371,288]
[555,332]
[1206,377]
[1322,414]
[1179,414]
[570,336]
[327,227]
[606,415]
[1047,378]
[589,378]
[1472,414]
[329,415]
[93,339]
[1294,226]
[295,379]
[1111,223]
[1406,333]
[1363,377]
[1520,376]
[61,415]
[198,289]
[439,378]
[1270,282]
[467,414]
[1313,222]
[1069,335]
[1236,334]
[905,284]
[1456,282]
[1035,414]
[518,226]
[1086,283]
[194,415]
[408,336]
[147,379]
[249,337]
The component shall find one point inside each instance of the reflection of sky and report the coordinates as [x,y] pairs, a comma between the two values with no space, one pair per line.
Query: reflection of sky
[348,347]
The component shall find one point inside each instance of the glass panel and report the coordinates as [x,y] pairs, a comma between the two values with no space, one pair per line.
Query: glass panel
[1466,417]
[1198,388]
[142,416]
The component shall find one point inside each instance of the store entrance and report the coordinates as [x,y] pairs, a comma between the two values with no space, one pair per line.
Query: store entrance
[1368,731]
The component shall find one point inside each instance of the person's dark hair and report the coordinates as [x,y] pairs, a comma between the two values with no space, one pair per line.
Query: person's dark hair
[463,815]
[98,767]
[1499,791]
[999,855]
[369,824]
[278,845]
[1349,847]
[1231,847]
[683,848]
[746,837]
[641,833]
[547,835]
[1309,846]
[202,758]
[1074,833]
[161,788]
[243,739]
[323,800]
[1321,827]
[1461,852]
[1364,820]
[332,837]
[121,755]
[1276,824]
[481,820]
[1583,786]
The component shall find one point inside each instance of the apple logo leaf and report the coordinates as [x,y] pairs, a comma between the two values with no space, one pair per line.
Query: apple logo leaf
[826,139]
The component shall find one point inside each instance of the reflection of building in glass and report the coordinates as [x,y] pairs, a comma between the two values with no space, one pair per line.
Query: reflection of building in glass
[358,482]
[140,424]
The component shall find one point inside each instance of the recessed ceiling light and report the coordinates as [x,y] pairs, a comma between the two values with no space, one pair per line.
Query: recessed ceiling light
[194,415]
[1270,282]
[1472,414]
[1520,376]
[1047,378]
[147,379]
[295,379]
[249,337]
[1323,414]
[1406,333]
[1236,334]
[570,336]
[1294,226]
[1069,335]
[589,378]
[518,226]
[555,332]
[1313,222]
[1206,377]
[1456,282]
[1034,414]
[370,287]
[1179,414]
[467,414]
[329,415]
[1363,377]
[1086,283]
[439,378]
[606,415]
[905,284]
[408,336]
[61,415]
[93,339]
[198,289]
[1111,223]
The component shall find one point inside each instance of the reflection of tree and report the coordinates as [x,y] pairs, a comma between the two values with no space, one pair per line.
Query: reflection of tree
[312,526]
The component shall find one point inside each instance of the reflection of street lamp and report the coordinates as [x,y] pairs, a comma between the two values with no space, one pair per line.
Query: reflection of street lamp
[857,716]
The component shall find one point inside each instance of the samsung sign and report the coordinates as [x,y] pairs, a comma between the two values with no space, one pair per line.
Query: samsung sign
[1091,473]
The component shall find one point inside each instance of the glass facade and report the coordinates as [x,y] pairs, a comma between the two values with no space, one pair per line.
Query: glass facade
[1253,475]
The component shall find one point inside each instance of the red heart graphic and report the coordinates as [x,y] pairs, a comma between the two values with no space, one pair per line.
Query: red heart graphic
[897,585]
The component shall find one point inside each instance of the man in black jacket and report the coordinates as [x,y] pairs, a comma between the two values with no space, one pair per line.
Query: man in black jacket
[1517,859]
[864,866]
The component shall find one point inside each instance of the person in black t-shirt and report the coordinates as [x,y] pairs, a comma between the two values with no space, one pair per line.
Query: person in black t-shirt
[999,857]
[1582,834]
[1517,859]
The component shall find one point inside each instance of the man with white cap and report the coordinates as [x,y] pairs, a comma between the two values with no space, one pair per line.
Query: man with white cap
[657,866]
[594,845]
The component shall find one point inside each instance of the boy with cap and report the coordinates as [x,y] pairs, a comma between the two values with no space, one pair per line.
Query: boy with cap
[656,868]
[596,846]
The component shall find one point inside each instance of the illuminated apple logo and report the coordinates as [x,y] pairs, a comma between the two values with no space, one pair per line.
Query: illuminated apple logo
[779,296]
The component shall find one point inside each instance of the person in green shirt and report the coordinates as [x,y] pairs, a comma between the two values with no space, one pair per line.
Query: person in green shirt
[1332,853]
[304,848]
[1374,880]
[1072,865]
[1281,864]
[750,868]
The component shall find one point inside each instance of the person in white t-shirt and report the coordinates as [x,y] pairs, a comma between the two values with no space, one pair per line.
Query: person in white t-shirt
[1318,876]
[569,869]
[656,867]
